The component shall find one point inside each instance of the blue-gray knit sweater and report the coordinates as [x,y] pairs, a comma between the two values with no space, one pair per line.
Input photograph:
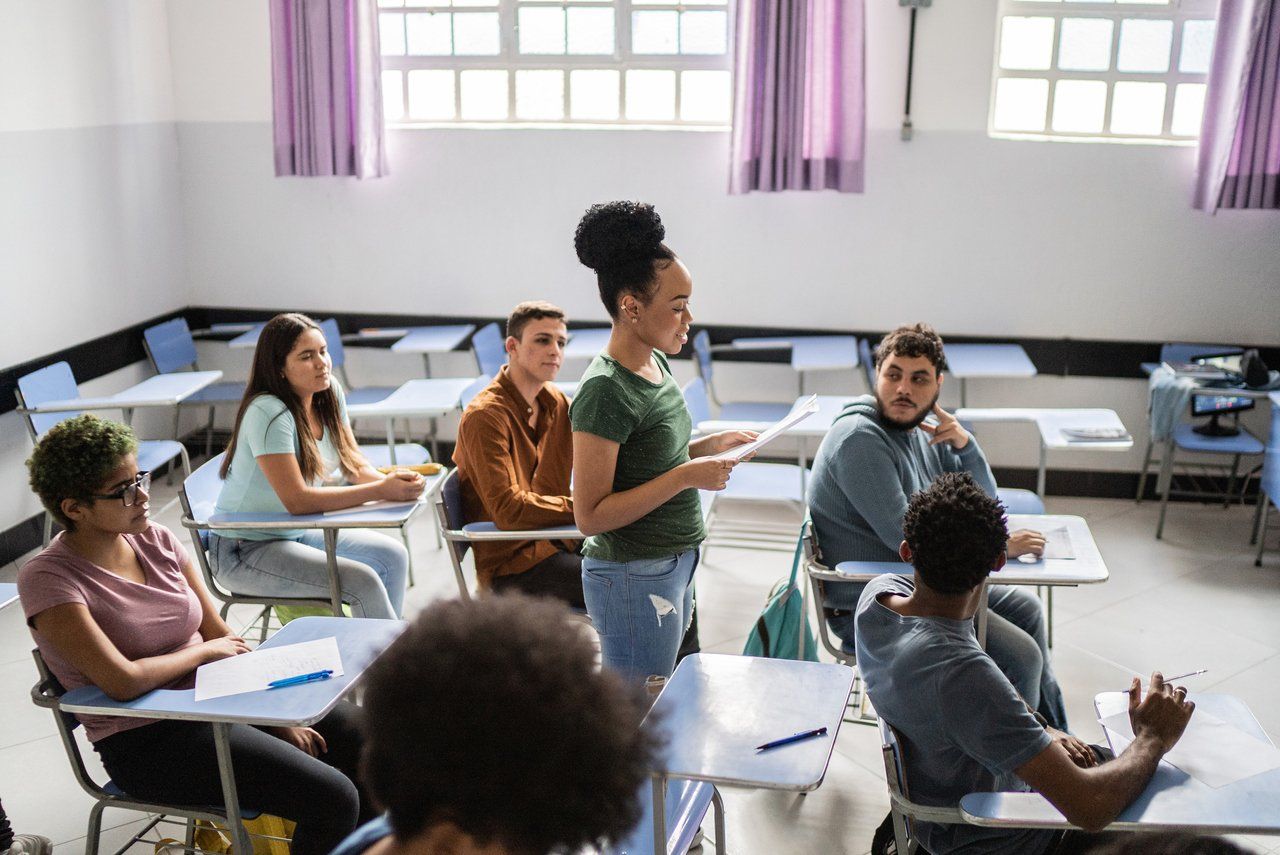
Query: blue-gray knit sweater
[863,475]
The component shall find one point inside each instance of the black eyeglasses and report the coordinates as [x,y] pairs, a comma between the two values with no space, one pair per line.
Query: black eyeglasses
[129,492]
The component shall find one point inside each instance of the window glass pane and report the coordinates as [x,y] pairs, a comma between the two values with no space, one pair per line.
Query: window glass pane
[430,34]
[476,34]
[391,34]
[390,2]
[655,32]
[1197,47]
[1188,108]
[1144,45]
[541,31]
[1079,106]
[1020,104]
[540,94]
[593,94]
[1137,108]
[651,95]
[392,96]
[492,3]
[431,95]
[432,4]
[1026,43]
[704,32]
[705,96]
[590,31]
[696,3]
[1085,44]
[484,94]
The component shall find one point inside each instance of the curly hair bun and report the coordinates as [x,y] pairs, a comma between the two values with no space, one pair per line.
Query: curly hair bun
[618,235]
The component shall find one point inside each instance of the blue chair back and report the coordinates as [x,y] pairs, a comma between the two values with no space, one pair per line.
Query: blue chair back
[490,348]
[697,401]
[1271,459]
[1020,501]
[171,346]
[1179,352]
[454,519]
[202,488]
[702,354]
[868,362]
[51,383]
[333,338]
[474,389]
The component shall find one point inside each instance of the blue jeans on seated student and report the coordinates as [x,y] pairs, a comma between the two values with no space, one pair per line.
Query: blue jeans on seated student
[641,610]
[372,569]
[1018,641]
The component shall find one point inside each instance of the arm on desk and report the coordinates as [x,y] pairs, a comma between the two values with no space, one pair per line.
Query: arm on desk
[299,497]
[483,452]
[1093,798]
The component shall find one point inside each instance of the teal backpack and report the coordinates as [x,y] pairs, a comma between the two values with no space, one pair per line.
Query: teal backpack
[782,629]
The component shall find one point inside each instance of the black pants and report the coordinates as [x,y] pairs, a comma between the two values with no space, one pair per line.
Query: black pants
[176,762]
[560,576]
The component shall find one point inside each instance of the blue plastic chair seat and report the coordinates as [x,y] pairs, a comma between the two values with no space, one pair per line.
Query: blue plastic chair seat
[1020,501]
[687,804]
[777,482]
[112,789]
[753,411]
[1242,443]
[154,453]
[369,394]
[407,454]
[230,392]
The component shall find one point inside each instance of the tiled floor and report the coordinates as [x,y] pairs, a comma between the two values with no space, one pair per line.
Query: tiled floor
[1193,600]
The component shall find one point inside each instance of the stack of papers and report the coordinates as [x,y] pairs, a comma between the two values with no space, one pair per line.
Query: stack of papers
[799,413]
[1210,750]
[251,672]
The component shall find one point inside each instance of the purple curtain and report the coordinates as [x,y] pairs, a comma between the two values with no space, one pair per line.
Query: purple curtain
[326,87]
[1238,164]
[799,118]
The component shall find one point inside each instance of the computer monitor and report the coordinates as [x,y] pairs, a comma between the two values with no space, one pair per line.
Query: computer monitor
[1216,405]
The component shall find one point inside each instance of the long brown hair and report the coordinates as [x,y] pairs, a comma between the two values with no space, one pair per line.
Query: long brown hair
[266,377]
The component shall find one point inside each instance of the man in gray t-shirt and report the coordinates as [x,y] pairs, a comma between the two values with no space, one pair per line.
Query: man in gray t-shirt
[962,725]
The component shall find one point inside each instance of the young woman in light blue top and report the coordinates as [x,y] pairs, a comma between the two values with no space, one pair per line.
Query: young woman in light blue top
[292,451]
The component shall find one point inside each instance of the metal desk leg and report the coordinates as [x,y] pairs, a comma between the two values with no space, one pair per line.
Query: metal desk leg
[1040,473]
[964,392]
[426,364]
[127,413]
[331,559]
[1049,604]
[240,843]
[391,439]
[659,782]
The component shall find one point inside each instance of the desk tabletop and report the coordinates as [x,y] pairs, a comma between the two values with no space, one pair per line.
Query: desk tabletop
[8,593]
[160,390]
[435,396]
[717,708]
[360,640]
[809,352]
[1172,800]
[989,360]
[378,515]
[585,344]
[818,424]
[247,339]
[1051,421]
[441,339]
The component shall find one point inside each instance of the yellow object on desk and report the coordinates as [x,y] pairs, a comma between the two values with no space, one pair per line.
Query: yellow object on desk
[420,468]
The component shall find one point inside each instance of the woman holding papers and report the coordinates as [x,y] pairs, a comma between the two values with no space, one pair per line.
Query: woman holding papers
[636,474]
[292,451]
[115,602]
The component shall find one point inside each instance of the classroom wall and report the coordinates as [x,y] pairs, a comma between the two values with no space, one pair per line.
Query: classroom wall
[90,220]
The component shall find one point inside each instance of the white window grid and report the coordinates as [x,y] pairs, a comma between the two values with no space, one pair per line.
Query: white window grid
[1179,12]
[510,59]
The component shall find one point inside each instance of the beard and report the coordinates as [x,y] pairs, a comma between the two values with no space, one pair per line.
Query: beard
[911,423]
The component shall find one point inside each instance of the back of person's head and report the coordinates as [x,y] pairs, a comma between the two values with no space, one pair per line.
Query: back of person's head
[491,716]
[1168,843]
[531,310]
[913,340]
[956,533]
[73,460]
[622,243]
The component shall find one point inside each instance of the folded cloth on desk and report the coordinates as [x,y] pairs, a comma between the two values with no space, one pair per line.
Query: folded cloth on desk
[1210,750]
[1170,397]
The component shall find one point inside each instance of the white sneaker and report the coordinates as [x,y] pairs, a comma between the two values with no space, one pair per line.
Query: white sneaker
[29,844]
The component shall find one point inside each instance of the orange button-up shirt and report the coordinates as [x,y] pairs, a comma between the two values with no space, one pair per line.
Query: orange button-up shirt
[514,475]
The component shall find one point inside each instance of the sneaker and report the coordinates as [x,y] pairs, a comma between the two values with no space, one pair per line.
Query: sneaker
[29,844]
[698,838]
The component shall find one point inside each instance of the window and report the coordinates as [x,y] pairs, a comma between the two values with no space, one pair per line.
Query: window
[616,62]
[1101,70]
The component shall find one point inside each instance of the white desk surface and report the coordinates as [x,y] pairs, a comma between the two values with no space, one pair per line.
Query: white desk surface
[1172,800]
[358,517]
[8,593]
[809,352]
[360,641]
[1087,568]
[717,708]
[989,360]
[585,344]
[441,339]
[161,390]
[1051,420]
[247,339]
[436,396]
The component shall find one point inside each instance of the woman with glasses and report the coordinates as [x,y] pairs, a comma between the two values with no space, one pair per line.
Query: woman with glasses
[292,451]
[115,602]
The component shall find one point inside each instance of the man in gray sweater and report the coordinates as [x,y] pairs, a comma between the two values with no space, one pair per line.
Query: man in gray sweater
[879,452]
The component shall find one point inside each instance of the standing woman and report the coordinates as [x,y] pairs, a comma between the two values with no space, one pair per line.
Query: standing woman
[636,474]
[293,452]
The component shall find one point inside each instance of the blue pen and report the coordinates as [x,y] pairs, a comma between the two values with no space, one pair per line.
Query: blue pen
[300,679]
[808,734]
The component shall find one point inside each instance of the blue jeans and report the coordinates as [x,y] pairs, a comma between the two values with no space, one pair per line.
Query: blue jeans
[1018,642]
[372,569]
[641,610]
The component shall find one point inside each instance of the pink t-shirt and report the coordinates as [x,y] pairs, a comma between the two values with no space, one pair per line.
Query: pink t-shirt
[140,620]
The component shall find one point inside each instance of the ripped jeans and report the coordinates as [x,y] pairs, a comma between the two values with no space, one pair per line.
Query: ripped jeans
[641,610]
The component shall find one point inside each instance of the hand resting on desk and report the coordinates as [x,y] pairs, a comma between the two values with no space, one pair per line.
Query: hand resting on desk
[1024,541]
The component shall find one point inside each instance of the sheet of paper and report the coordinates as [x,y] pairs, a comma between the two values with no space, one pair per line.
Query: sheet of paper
[251,672]
[806,408]
[378,505]
[1057,543]
[1210,750]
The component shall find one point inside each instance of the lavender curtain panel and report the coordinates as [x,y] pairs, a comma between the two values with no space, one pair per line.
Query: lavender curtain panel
[1238,164]
[799,119]
[326,86]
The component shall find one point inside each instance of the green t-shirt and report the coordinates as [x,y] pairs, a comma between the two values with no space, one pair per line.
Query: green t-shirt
[651,425]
